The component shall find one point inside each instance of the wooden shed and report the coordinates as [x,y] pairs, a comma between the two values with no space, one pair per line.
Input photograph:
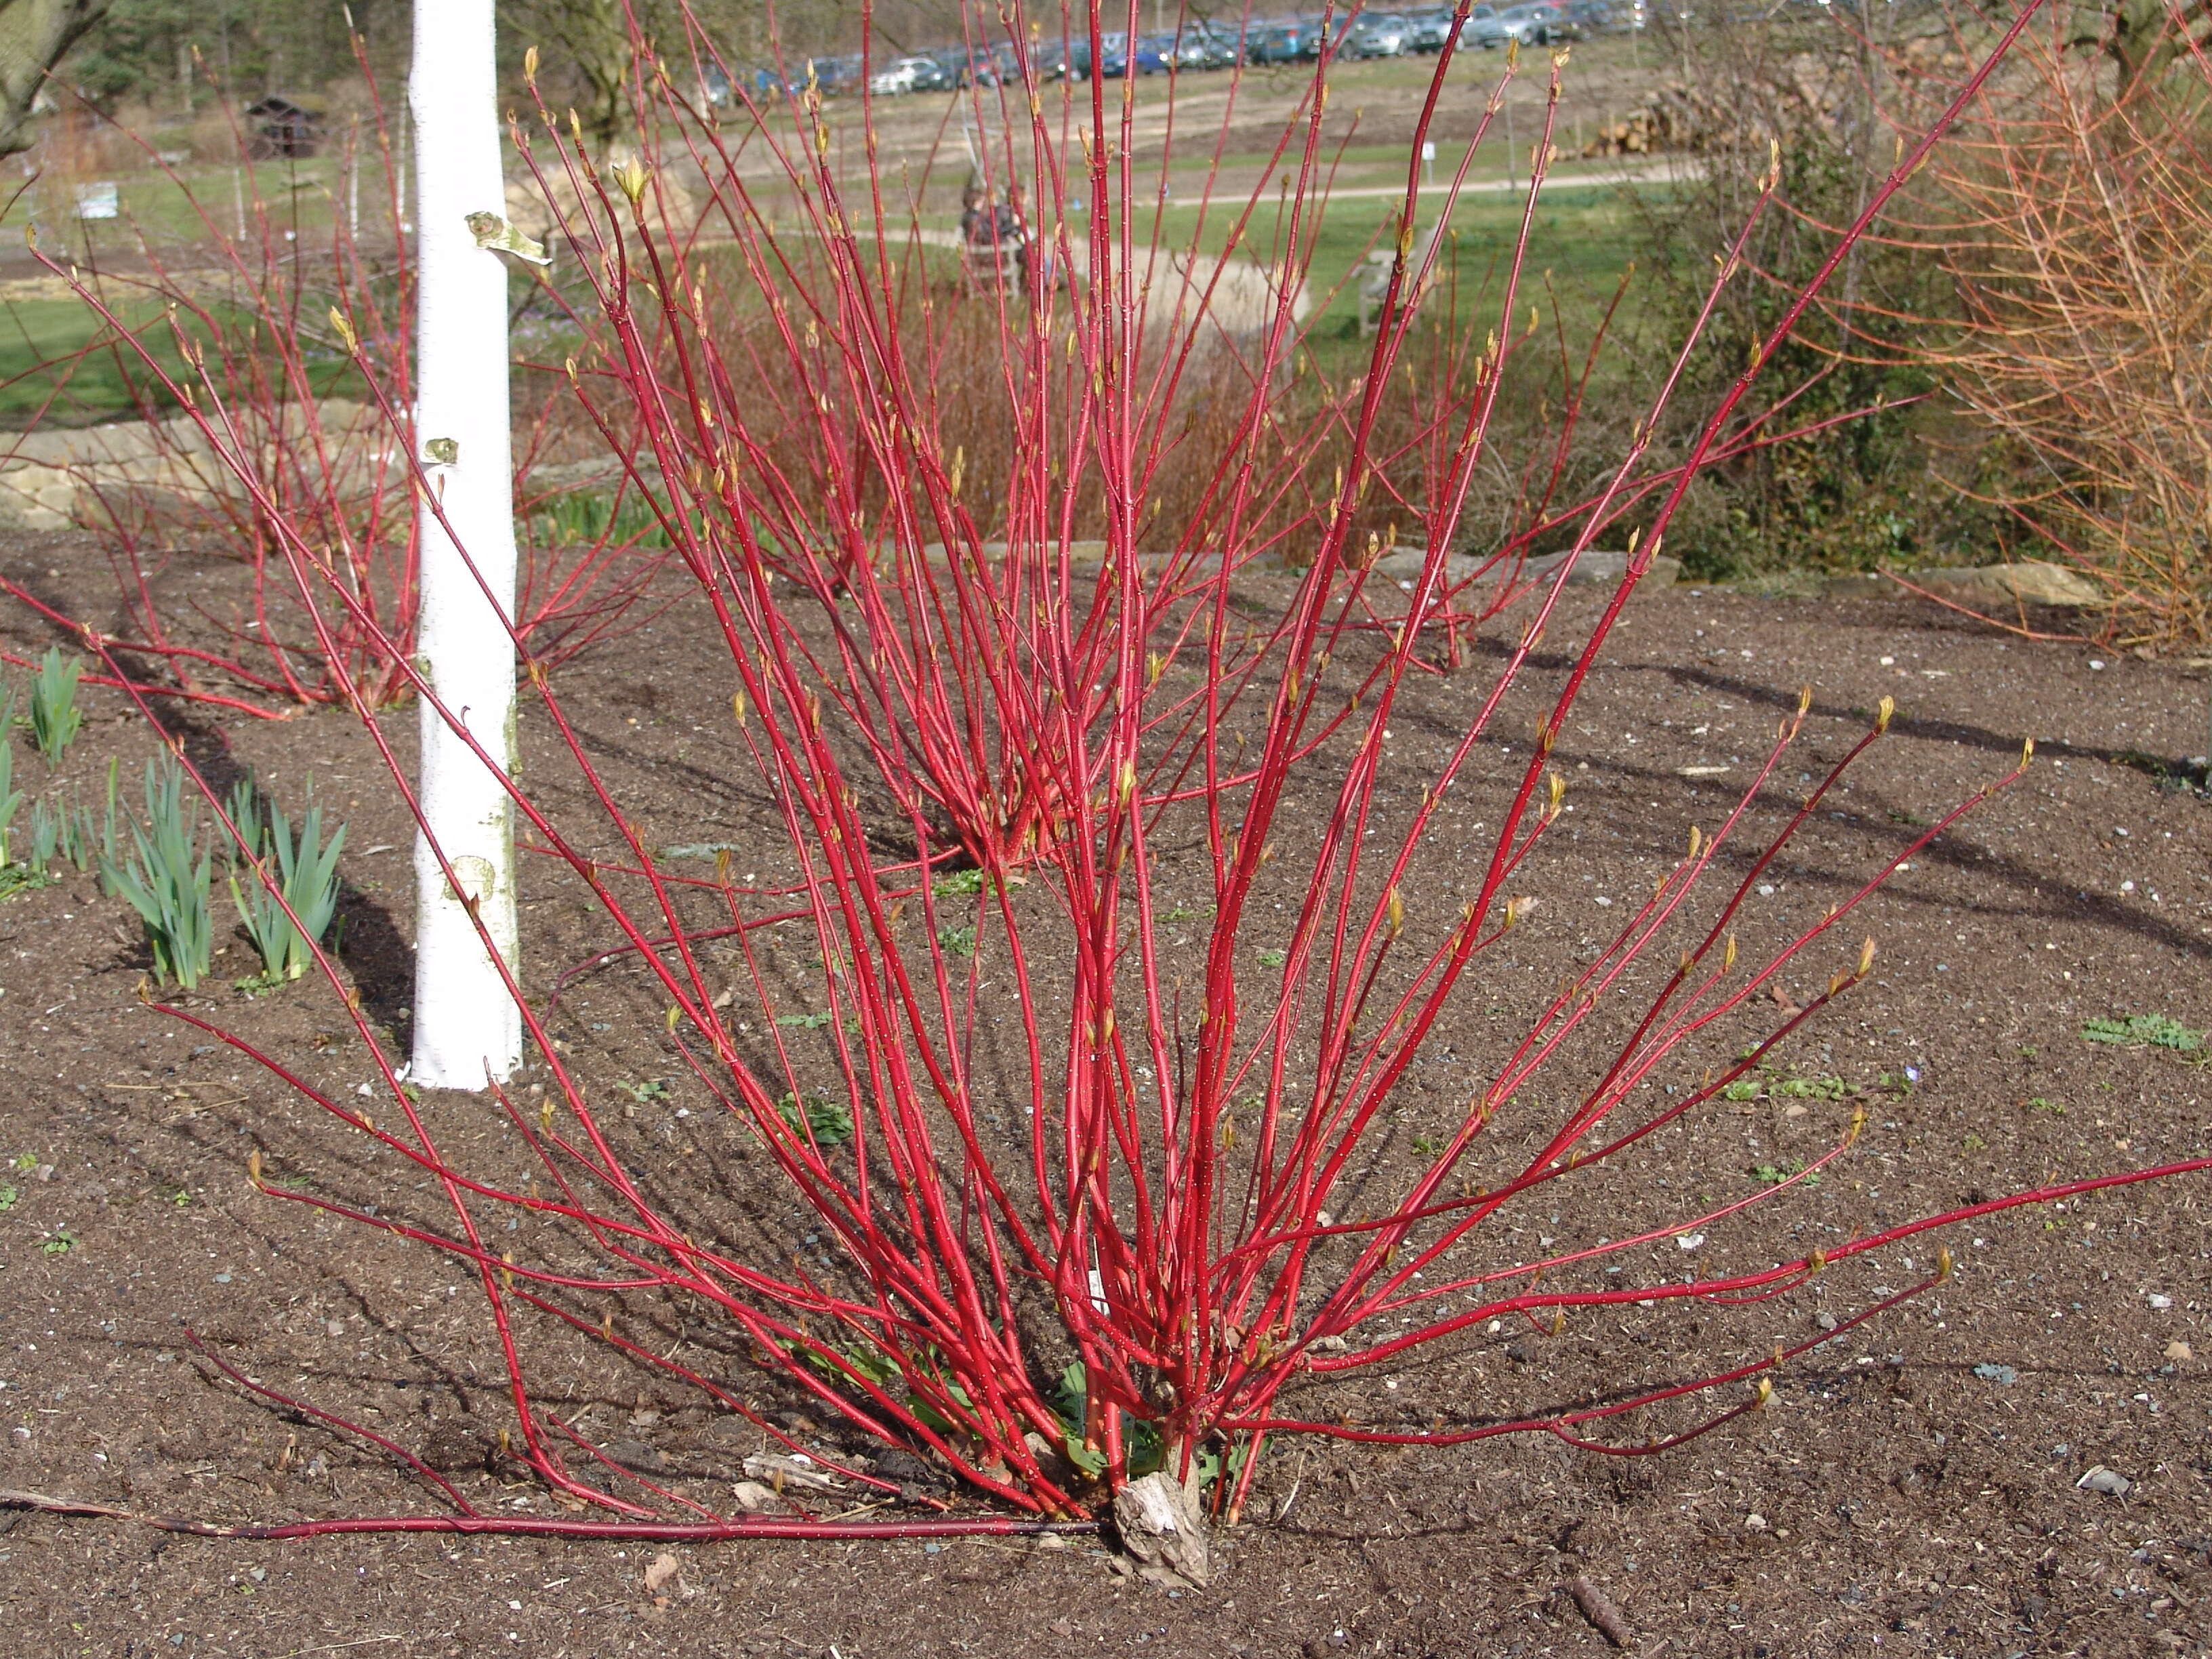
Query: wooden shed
[282,128]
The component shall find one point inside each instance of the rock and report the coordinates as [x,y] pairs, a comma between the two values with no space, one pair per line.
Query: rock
[1158,1520]
[2030,582]
[1997,1373]
[1860,585]
[2037,582]
[55,478]
[1602,568]
[635,1456]
[2178,1350]
[1754,1522]
[1597,566]
[2111,1482]
[1407,567]
[1081,554]
[753,1498]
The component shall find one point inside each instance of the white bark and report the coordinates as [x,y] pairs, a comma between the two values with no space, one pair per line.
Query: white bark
[467,1027]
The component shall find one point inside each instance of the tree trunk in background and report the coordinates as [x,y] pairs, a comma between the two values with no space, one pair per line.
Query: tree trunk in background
[34,35]
[467,1027]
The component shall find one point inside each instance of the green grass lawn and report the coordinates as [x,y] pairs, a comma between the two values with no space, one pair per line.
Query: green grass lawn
[44,363]
[42,369]
[1580,245]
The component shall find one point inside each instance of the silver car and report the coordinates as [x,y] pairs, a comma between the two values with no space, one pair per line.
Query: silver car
[1482,29]
[1537,25]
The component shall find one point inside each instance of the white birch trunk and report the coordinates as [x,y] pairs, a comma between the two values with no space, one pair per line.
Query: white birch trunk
[467,1028]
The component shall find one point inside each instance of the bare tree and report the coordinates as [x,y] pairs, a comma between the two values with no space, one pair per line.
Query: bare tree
[33,35]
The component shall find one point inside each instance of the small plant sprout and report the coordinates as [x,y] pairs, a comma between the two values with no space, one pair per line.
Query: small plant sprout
[287,907]
[46,836]
[166,879]
[10,797]
[55,718]
[249,819]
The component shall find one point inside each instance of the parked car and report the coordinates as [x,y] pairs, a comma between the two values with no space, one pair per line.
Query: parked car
[1538,23]
[1062,60]
[938,76]
[1428,28]
[1155,54]
[1482,29]
[1378,34]
[1113,55]
[972,68]
[1203,45]
[1009,63]
[835,77]
[901,75]
[1286,40]
[1593,16]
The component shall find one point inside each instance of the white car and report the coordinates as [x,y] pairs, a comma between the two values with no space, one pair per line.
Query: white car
[901,75]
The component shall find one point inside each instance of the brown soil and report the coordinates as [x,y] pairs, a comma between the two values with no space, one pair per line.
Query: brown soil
[1893,1500]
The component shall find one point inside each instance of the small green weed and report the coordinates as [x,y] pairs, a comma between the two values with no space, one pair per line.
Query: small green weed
[8,1199]
[957,941]
[2039,1104]
[1744,1088]
[60,1245]
[27,1160]
[650,1090]
[832,1120]
[1186,912]
[1813,1088]
[55,720]
[1775,1173]
[882,1370]
[1974,1143]
[1141,1441]
[21,878]
[166,881]
[806,1022]
[959,884]
[1275,958]
[2139,1030]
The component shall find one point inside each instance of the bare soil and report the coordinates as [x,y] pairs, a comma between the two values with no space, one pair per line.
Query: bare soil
[1911,1489]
